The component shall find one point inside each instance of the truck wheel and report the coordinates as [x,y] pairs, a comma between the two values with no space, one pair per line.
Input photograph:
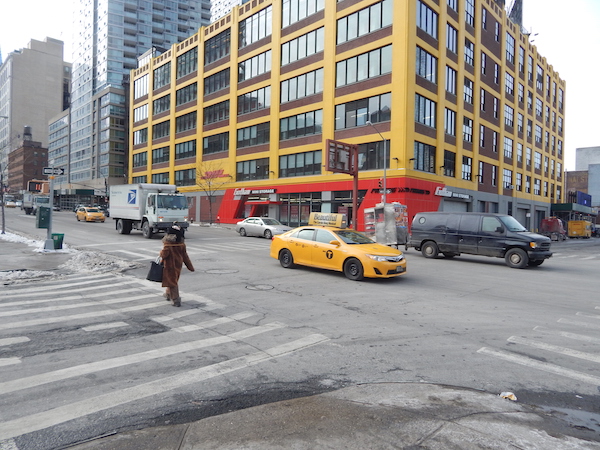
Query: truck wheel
[147,230]
[122,227]
[516,258]
[430,249]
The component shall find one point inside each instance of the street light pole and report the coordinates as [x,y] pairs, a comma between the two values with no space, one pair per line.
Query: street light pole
[2,184]
[384,195]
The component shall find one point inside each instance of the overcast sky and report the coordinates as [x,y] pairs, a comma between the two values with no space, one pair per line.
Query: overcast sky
[568,35]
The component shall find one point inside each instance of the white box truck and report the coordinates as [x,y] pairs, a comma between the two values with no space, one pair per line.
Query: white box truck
[32,201]
[151,208]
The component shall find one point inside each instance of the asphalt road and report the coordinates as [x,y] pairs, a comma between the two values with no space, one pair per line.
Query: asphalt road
[470,321]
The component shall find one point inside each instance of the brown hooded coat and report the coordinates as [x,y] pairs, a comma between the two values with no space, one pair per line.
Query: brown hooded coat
[174,256]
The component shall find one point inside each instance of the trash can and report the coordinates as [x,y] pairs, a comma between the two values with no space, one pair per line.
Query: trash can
[58,240]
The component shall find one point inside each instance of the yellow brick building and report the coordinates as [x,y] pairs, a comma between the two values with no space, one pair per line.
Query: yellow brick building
[446,99]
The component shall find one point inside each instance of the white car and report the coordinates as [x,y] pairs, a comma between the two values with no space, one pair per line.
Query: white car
[260,226]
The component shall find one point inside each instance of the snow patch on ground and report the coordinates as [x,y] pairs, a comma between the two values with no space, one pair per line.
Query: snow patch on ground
[81,262]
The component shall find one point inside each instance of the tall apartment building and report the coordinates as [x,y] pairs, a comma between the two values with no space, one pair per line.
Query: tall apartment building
[220,8]
[110,36]
[446,99]
[34,86]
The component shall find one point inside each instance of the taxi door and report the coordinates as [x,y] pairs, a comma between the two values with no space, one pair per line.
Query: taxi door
[324,254]
[301,246]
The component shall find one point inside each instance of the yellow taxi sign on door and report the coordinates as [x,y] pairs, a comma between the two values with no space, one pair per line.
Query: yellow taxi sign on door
[328,219]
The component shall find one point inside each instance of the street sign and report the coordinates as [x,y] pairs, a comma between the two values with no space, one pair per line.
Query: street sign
[53,171]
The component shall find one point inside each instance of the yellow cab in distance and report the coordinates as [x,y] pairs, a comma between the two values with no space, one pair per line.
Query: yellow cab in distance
[326,243]
[88,214]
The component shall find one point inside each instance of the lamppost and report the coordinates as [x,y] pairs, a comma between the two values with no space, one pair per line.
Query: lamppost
[2,185]
[384,195]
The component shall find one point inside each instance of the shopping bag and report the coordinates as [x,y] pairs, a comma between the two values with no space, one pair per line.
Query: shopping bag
[156,271]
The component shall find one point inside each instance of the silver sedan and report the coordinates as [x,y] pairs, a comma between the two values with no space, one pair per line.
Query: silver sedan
[260,226]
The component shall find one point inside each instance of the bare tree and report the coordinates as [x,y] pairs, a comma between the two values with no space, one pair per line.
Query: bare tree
[210,178]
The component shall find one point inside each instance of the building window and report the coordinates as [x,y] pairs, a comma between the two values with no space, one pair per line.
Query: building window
[296,10]
[254,66]
[519,181]
[470,12]
[426,65]
[508,147]
[304,124]
[560,125]
[510,48]
[529,128]
[186,177]
[300,164]
[254,135]
[522,60]
[160,178]
[467,168]
[469,52]
[494,175]
[302,86]
[528,156]
[539,80]
[160,155]
[537,186]
[185,150]
[161,104]
[257,169]
[303,46]
[468,91]
[467,129]
[186,122]
[140,86]
[365,66]
[480,173]
[217,47]
[371,155]
[519,153]
[357,113]
[495,141]
[255,27]
[537,161]
[255,100]
[216,113]
[215,144]
[528,184]
[427,19]
[451,38]
[521,93]
[507,182]
[482,136]
[140,113]
[495,102]
[561,95]
[520,122]
[140,136]
[186,94]
[482,99]
[509,119]
[450,122]
[161,130]
[530,68]
[538,134]
[162,76]
[365,21]
[538,108]
[509,84]
[483,63]
[140,159]
[187,63]
[424,157]
[216,82]
[484,18]
[453,4]
[450,80]
[449,163]
[140,179]
[425,111]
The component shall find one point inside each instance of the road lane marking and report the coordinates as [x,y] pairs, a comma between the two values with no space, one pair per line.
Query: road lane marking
[61,414]
[544,366]
[89,315]
[105,326]
[555,348]
[589,316]
[13,340]
[69,297]
[578,337]
[579,324]
[9,361]
[214,322]
[135,358]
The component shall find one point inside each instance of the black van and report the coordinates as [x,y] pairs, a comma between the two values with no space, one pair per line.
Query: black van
[497,235]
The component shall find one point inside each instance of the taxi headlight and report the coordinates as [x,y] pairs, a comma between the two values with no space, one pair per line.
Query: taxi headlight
[386,258]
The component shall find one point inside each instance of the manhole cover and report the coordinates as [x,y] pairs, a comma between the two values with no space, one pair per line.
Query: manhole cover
[259,287]
[221,271]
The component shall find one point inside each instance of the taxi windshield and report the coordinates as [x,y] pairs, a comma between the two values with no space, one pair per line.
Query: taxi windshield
[92,210]
[352,237]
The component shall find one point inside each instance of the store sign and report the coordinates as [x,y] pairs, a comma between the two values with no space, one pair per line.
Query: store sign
[443,192]
[243,191]
[328,220]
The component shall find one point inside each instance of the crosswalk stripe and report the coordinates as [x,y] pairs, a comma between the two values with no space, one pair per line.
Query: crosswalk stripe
[555,348]
[579,324]
[148,255]
[13,340]
[589,316]
[46,286]
[136,358]
[214,322]
[105,326]
[9,361]
[539,365]
[69,297]
[61,414]
[574,336]
[187,312]
[89,315]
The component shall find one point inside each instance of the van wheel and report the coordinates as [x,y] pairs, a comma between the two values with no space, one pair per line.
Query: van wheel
[516,258]
[430,250]
[353,269]
[537,262]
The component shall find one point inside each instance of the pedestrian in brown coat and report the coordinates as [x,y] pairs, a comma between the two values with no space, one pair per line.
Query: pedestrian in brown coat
[174,256]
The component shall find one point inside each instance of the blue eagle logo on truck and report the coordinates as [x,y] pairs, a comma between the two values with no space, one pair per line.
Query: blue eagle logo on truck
[132,197]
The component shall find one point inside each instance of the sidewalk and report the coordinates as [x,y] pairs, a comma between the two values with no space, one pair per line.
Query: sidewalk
[365,416]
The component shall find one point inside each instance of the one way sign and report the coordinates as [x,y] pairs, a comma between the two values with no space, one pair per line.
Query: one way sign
[53,171]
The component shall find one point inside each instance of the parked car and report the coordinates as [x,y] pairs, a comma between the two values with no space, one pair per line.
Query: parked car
[261,226]
[89,214]
[339,249]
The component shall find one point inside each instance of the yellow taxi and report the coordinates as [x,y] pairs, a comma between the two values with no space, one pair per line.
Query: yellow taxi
[337,248]
[88,214]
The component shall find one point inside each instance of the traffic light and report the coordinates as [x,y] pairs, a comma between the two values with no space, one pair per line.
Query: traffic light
[381,183]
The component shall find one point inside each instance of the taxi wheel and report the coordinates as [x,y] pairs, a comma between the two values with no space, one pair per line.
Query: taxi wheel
[353,269]
[77,218]
[286,259]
